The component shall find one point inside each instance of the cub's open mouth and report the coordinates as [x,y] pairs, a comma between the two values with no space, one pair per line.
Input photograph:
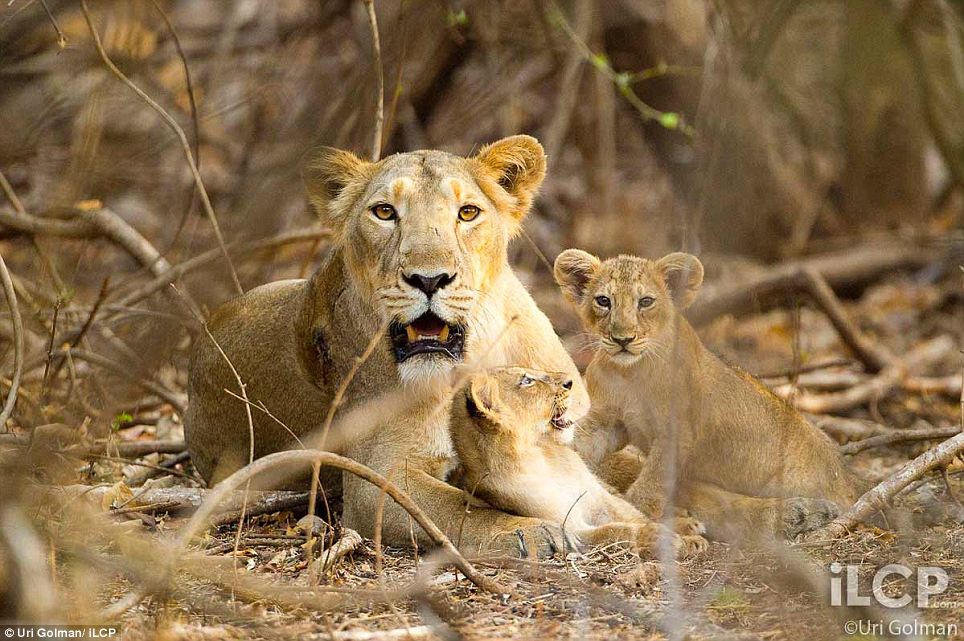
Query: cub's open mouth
[427,334]
[559,421]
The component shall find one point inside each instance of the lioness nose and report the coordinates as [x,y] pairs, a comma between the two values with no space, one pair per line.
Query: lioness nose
[428,284]
[567,384]
[623,341]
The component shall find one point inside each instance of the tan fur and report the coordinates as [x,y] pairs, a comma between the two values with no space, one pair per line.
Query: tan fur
[294,343]
[514,457]
[741,457]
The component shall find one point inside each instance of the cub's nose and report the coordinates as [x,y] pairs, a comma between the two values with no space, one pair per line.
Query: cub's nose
[623,341]
[567,384]
[428,285]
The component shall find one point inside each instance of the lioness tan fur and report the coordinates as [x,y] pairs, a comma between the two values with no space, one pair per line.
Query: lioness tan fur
[509,429]
[741,458]
[419,262]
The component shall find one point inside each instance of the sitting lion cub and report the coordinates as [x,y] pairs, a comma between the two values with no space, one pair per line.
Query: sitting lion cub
[739,458]
[509,428]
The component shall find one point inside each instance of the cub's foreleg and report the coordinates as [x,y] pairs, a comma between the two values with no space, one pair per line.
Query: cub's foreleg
[736,517]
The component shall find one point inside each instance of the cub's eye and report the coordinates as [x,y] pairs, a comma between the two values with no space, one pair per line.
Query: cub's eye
[526,381]
[384,211]
[603,301]
[646,301]
[468,213]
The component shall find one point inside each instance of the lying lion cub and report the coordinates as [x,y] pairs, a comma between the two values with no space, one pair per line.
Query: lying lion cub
[509,428]
[740,458]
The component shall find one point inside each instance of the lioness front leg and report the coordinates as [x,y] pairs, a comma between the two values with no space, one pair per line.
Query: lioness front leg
[473,531]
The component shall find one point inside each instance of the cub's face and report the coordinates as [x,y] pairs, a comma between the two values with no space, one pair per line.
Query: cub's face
[522,401]
[424,236]
[628,304]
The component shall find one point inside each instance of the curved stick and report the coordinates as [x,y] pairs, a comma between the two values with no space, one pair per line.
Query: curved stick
[17,345]
[310,457]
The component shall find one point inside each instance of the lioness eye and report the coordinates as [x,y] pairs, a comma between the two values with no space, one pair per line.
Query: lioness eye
[384,211]
[468,213]
[603,301]
[646,301]
[526,381]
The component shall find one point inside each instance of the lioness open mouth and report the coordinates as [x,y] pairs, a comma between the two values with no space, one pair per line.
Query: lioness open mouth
[427,334]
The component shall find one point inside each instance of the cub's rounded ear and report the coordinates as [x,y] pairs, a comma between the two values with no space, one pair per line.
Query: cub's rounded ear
[483,398]
[518,164]
[683,274]
[332,175]
[573,270]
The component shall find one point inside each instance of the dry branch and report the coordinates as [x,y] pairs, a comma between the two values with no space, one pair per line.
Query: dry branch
[841,270]
[902,436]
[879,386]
[190,498]
[133,449]
[310,457]
[17,321]
[380,73]
[877,499]
[873,357]
[847,429]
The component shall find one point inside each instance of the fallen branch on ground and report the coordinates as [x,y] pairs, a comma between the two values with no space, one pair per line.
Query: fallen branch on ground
[841,270]
[902,436]
[879,386]
[844,430]
[189,498]
[878,498]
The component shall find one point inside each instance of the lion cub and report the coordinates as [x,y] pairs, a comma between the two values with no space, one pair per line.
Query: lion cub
[739,458]
[509,429]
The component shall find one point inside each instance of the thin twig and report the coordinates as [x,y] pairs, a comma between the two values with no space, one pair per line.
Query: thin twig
[11,295]
[380,73]
[178,131]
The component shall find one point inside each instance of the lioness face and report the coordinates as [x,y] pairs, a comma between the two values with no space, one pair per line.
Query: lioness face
[628,304]
[526,402]
[424,235]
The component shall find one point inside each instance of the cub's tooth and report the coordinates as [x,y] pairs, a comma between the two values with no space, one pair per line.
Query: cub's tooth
[412,336]
[444,334]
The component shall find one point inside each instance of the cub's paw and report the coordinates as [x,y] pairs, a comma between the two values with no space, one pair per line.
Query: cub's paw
[534,538]
[801,515]
[688,526]
[690,545]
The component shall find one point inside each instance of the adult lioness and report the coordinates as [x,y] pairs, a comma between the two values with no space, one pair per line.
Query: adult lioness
[511,431]
[742,458]
[420,248]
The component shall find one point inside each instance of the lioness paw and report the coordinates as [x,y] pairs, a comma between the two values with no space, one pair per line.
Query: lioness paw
[801,515]
[535,539]
[688,526]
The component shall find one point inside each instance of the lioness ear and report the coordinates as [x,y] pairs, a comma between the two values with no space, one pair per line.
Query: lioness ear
[573,270]
[684,275]
[484,397]
[519,165]
[334,175]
